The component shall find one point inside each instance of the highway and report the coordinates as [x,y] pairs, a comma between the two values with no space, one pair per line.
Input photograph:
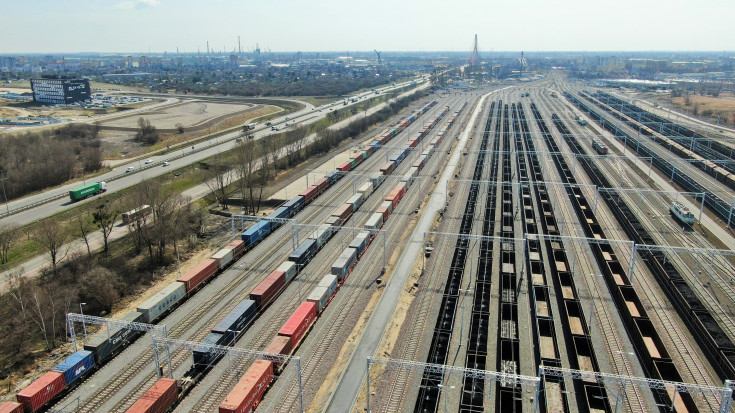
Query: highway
[46,203]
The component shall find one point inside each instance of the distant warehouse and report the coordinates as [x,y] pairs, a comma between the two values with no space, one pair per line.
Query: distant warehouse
[60,91]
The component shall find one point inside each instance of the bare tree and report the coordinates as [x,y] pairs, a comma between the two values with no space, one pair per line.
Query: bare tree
[8,234]
[245,168]
[104,217]
[219,179]
[83,227]
[51,236]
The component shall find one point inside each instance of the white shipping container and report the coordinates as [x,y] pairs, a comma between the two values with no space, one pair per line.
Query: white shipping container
[223,257]
[374,222]
[329,281]
[376,179]
[366,189]
[289,268]
[356,201]
[320,296]
[388,205]
[343,264]
[162,301]
[322,234]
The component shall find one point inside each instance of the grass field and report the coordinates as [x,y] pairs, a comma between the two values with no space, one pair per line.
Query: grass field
[724,107]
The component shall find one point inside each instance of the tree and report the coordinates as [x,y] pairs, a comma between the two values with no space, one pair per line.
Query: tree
[99,288]
[83,227]
[179,128]
[104,217]
[246,157]
[51,236]
[219,179]
[147,133]
[8,234]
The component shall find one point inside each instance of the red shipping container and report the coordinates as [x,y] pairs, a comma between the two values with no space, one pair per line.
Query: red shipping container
[299,323]
[237,247]
[387,168]
[197,275]
[322,184]
[404,123]
[11,407]
[419,165]
[412,143]
[401,188]
[394,197]
[385,211]
[344,167]
[383,139]
[343,212]
[248,392]
[309,193]
[41,391]
[264,292]
[157,399]
[279,345]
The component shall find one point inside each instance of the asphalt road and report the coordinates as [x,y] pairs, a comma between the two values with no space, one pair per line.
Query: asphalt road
[188,155]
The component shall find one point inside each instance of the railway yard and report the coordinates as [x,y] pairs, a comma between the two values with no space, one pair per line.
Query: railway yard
[582,262]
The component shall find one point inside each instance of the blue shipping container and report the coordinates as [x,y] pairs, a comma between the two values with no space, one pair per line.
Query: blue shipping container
[295,205]
[203,357]
[375,144]
[281,212]
[303,253]
[256,232]
[76,366]
[236,321]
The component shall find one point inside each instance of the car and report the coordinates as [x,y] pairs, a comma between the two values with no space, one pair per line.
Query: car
[267,124]
[129,169]
[148,161]
[166,163]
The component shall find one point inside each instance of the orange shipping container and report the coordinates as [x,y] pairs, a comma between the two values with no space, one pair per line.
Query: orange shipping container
[10,407]
[279,345]
[197,275]
[236,246]
[248,392]
[41,391]
[158,399]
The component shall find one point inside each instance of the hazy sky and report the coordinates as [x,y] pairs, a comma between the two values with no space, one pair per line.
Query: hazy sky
[57,26]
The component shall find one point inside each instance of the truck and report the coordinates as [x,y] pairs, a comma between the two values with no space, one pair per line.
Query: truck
[87,191]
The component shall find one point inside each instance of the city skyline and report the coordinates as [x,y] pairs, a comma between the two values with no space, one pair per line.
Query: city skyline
[140,26]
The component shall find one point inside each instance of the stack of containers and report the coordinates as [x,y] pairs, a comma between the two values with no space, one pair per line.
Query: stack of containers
[355,200]
[341,267]
[359,243]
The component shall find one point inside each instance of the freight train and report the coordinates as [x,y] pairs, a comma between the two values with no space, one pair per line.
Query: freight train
[248,393]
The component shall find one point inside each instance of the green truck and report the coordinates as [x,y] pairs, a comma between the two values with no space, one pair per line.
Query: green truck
[87,190]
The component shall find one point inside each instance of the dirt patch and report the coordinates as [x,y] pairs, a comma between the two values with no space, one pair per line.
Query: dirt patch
[189,114]
[708,106]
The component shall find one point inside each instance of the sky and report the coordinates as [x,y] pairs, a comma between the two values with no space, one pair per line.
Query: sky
[137,26]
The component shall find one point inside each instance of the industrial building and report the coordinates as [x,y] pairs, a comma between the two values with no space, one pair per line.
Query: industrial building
[60,91]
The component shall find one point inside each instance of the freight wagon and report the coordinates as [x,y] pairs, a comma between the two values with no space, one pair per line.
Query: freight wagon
[248,392]
[361,240]
[158,399]
[341,267]
[365,189]
[344,166]
[302,255]
[299,323]
[356,201]
[309,194]
[600,147]
[199,274]
[87,191]
[255,233]
[389,166]
[264,292]
[107,343]
[289,269]
[322,234]
[236,320]
[162,301]
[343,212]
[11,407]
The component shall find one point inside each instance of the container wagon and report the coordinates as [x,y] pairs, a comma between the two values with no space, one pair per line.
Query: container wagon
[158,399]
[162,301]
[248,392]
[299,323]
[264,292]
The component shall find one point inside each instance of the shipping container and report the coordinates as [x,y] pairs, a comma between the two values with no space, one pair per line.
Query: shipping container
[223,257]
[256,232]
[319,296]
[203,356]
[237,247]
[199,274]
[396,159]
[389,205]
[388,167]
[343,212]
[264,292]
[374,222]
[344,167]
[341,267]
[330,281]
[322,184]
[419,164]
[383,140]
[299,323]
[279,345]
[355,200]
[334,176]
[376,179]
[394,197]
[333,221]
[365,189]
[248,392]
[407,178]
[289,268]
[87,190]
[303,253]
[375,145]
[401,188]
[353,163]
[360,241]
[76,366]
[384,211]
[236,320]
[41,391]
[427,153]
[104,345]
[158,399]
[412,143]
[309,194]
[294,204]
[322,234]
[279,213]
[162,301]
[11,407]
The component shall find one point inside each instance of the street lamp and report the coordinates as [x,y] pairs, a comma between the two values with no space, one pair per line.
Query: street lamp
[84,325]
[7,209]
[441,386]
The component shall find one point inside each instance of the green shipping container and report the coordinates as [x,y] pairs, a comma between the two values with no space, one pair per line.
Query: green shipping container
[87,190]
[352,162]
